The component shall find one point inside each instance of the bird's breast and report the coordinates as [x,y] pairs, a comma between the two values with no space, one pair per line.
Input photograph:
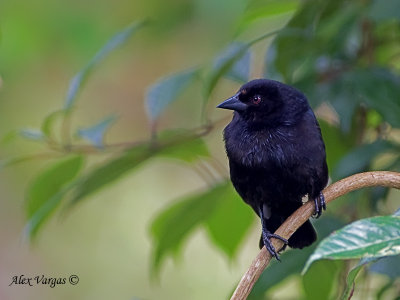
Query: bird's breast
[259,149]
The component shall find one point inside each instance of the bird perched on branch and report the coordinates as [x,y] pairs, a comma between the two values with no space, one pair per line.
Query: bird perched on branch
[276,156]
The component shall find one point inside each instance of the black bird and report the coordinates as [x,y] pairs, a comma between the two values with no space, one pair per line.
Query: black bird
[276,156]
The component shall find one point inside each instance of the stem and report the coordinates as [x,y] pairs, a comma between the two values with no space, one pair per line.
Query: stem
[340,188]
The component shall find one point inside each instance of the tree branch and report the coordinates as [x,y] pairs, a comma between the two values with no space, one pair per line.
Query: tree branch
[344,186]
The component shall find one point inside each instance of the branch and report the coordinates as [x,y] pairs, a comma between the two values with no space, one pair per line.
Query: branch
[340,188]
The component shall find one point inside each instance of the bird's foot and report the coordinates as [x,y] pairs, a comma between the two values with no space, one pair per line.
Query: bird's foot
[320,205]
[268,244]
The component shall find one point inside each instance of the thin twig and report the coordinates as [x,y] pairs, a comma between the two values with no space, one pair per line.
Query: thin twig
[344,186]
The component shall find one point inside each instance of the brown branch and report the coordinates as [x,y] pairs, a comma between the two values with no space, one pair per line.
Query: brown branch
[344,186]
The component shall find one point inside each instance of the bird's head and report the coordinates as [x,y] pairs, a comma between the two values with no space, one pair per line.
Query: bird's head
[267,101]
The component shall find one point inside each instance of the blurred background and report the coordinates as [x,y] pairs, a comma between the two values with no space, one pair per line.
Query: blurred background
[344,56]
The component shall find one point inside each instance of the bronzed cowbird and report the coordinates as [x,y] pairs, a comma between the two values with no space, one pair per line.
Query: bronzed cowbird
[276,156]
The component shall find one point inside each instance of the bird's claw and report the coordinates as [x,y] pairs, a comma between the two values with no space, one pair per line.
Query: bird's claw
[320,205]
[268,244]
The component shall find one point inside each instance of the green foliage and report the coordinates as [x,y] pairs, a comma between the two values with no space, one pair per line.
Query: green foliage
[344,55]
[229,222]
[320,279]
[46,191]
[360,158]
[261,9]
[48,123]
[172,226]
[185,148]
[351,278]
[372,237]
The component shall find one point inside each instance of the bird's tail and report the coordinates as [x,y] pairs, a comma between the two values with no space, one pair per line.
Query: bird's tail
[303,237]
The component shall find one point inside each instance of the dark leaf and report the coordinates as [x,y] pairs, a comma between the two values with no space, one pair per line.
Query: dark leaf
[337,143]
[318,28]
[380,89]
[230,221]
[360,158]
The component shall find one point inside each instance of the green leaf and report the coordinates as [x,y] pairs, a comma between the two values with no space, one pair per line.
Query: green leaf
[166,90]
[227,60]
[259,9]
[373,237]
[380,88]
[48,122]
[181,147]
[32,134]
[188,152]
[240,70]
[172,226]
[110,171]
[372,87]
[360,158]
[336,142]
[351,277]
[9,137]
[79,79]
[319,281]
[289,46]
[229,222]
[95,134]
[46,191]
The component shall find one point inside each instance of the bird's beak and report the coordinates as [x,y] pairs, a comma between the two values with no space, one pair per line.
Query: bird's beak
[233,103]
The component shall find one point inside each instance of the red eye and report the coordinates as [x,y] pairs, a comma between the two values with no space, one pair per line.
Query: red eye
[256,99]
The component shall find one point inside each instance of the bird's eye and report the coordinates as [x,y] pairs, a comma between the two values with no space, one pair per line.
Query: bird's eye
[256,99]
